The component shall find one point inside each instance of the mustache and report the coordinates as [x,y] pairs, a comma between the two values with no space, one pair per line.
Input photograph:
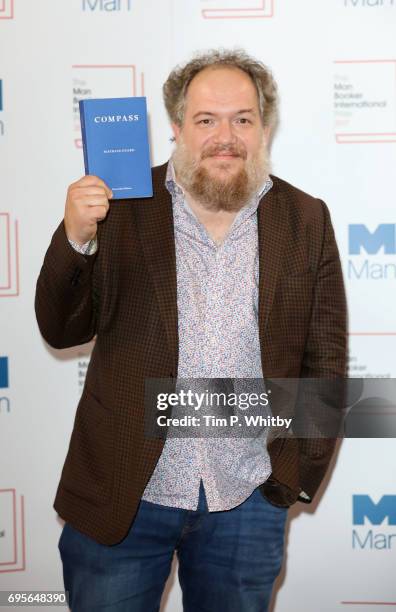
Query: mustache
[232,149]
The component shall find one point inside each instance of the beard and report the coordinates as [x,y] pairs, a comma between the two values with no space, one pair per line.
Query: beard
[228,192]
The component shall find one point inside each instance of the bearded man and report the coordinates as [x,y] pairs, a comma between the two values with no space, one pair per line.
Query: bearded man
[228,272]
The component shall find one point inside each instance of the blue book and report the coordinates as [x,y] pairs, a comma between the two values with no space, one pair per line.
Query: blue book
[116,145]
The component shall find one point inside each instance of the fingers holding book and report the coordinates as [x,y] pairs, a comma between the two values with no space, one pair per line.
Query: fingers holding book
[87,203]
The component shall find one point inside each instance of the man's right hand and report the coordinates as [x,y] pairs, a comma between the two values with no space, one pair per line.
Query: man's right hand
[87,203]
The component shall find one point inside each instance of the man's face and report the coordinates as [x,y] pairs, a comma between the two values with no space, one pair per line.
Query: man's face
[221,145]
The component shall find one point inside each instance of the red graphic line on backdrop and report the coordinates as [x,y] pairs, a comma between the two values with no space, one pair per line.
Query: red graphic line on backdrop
[369,603]
[372,334]
[346,137]
[8,249]
[23,566]
[3,9]
[16,266]
[131,66]
[23,535]
[206,12]
[345,142]
[343,139]
[376,61]
[142,83]
[368,134]
[13,493]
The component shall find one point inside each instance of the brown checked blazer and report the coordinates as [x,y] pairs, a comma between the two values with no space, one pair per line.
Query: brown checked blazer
[125,295]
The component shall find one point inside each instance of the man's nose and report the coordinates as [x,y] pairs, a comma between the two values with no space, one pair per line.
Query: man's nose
[224,133]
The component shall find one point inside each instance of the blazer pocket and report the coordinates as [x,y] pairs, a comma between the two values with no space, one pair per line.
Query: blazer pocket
[88,471]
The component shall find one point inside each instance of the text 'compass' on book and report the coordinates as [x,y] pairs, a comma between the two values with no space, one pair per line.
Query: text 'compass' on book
[116,145]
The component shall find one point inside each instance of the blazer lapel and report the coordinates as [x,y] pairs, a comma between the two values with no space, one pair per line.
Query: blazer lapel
[155,225]
[272,224]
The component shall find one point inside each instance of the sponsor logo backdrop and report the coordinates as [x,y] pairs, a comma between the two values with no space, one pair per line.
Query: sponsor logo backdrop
[335,62]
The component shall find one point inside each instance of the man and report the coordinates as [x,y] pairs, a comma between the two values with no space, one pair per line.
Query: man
[227,272]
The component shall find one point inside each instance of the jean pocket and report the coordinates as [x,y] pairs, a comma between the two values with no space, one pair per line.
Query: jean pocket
[270,505]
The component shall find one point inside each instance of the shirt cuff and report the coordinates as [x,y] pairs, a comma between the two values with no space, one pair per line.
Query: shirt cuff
[304,496]
[89,248]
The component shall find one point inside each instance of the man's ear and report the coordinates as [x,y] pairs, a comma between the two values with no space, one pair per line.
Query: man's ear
[176,131]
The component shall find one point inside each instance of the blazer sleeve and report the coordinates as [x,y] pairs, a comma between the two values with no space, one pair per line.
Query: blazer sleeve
[326,345]
[64,302]
[322,398]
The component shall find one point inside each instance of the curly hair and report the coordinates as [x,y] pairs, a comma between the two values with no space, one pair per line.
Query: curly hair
[176,85]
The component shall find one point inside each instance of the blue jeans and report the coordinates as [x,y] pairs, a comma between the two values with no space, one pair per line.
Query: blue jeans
[228,560]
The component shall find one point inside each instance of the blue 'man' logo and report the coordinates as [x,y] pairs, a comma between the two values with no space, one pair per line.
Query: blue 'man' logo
[3,372]
[360,237]
[363,506]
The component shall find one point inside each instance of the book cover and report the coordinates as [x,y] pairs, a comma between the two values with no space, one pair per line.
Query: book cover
[116,146]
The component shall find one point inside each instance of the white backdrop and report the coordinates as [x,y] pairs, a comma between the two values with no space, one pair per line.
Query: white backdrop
[335,62]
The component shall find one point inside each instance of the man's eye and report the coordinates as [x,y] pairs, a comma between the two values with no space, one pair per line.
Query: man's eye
[205,121]
[243,120]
